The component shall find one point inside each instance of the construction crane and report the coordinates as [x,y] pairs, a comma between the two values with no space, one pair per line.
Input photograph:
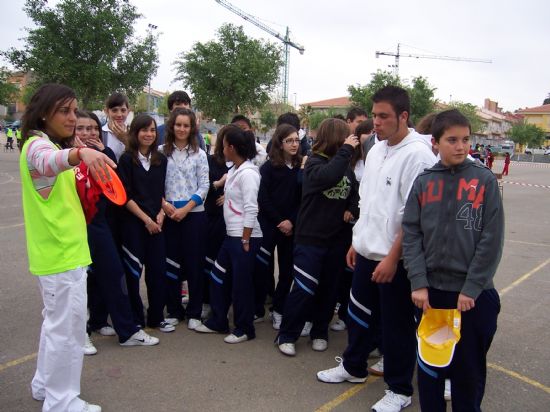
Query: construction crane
[424,56]
[285,39]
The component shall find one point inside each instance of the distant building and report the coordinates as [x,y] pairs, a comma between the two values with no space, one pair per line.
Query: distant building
[539,116]
[340,104]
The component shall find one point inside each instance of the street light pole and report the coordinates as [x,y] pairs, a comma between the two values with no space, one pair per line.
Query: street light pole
[151,27]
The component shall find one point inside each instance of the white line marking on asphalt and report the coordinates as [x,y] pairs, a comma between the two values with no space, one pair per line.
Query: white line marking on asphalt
[12,226]
[523,278]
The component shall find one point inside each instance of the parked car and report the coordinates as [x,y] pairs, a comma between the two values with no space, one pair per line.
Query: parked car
[547,152]
[531,151]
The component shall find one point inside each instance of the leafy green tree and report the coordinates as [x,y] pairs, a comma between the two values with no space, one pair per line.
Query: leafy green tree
[420,92]
[470,112]
[8,91]
[304,112]
[527,134]
[362,95]
[268,119]
[547,100]
[88,45]
[422,98]
[316,118]
[232,74]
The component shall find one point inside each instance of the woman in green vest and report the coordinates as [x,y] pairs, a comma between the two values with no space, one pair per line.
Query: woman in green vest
[57,244]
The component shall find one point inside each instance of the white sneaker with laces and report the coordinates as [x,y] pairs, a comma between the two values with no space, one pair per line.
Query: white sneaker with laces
[89,348]
[319,345]
[277,319]
[202,328]
[338,326]
[338,374]
[447,393]
[192,324]
[306,329]
[289,349]
[106,331]
[235,339]
[166,327]
[378,368]
[141,338]
[172,321]
[391,402]
[89,407]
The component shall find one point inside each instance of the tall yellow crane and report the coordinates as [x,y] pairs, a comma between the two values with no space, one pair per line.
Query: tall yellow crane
[285,39]
[424,56]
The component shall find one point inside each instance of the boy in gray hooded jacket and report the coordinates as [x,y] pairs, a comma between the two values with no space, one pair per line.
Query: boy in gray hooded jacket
[453,233]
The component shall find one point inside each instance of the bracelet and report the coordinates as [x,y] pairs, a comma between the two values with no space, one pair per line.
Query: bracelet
[78,152]
[245,241]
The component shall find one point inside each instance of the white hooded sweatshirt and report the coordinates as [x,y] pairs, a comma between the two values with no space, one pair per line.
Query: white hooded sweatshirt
[387,180]
[240,207]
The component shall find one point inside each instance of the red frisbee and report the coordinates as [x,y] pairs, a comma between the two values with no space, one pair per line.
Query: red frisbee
[113,188]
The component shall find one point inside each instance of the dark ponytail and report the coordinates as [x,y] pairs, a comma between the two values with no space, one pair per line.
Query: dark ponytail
[243,142]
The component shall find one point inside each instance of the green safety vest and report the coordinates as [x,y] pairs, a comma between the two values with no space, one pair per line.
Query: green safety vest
[55,227]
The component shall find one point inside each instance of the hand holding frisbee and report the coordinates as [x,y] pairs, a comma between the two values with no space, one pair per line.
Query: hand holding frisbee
[110,184]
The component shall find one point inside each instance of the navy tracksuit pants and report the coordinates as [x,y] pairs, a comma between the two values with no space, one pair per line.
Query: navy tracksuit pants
[185,251]
[468,368]
[273,237]
[314,291]
[232,281]
[107,288]
[141,250]
[397,319]
[216,233]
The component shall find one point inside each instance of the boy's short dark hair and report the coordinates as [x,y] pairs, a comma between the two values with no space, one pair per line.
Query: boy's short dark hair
[396,96]
[241,118]
[117,99]
[446,120]
[289,118]
[365,127]
[354,112]
[179,96]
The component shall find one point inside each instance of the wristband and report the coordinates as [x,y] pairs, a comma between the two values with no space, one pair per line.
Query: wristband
[78,152]
[245,242]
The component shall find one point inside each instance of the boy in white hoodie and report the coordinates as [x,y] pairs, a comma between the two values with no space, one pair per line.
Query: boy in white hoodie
[391,168]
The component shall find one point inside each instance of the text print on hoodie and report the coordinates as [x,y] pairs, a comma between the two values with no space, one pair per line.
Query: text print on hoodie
[453,229]
[240,207]
[389,174]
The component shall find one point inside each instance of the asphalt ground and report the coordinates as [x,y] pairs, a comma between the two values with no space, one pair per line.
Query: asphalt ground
[192,372]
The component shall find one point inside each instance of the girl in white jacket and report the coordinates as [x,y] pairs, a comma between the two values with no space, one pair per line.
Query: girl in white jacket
[232,274]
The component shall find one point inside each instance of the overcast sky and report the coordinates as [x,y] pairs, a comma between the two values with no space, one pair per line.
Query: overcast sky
[341,37]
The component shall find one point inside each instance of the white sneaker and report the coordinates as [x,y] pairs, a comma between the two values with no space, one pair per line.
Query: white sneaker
[89,348]
[202,328]
[277,319]
[375,354]
[378,368]
[206,311]
[447,393]
[106,331]
[338,374]
[391,402]
[192,324]
[88,407]
[172,321]
[306,329]
[338,326]
[235,339]
[319,345]
[166,327]
[258,319]
[141,338]
[289,349]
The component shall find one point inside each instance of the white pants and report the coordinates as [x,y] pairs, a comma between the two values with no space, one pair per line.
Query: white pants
[61,350]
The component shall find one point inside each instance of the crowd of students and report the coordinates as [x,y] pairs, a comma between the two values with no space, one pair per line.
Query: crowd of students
[370,223]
